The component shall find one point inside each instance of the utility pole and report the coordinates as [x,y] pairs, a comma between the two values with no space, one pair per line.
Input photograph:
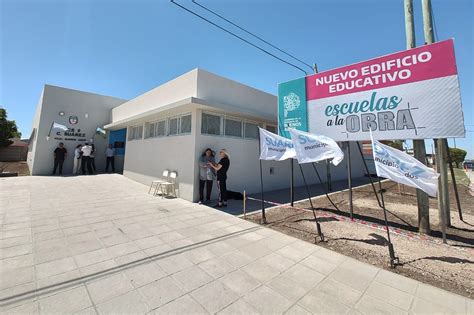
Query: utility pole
[443,188]
[419,150]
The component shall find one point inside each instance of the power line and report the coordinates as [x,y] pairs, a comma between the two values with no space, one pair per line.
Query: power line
[235,35]
[250,33]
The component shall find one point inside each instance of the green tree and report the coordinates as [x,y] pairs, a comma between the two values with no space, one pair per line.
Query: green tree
[8,129]
[457,155]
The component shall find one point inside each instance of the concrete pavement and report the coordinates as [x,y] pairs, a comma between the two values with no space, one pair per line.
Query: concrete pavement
[102,245]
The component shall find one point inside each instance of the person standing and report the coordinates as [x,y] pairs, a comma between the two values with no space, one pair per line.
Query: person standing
[59,156]
[92,156]
[222,167]
[110,156]
[86,158]
[77,159]
[206,175]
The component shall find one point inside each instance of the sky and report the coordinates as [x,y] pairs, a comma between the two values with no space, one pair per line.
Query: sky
[124,48]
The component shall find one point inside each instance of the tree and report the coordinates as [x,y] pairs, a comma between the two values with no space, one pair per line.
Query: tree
[457,155]
[8,129]
[396,144]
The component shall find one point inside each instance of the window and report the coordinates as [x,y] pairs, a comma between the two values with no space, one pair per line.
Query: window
[233,127]
[173,129]
[135,132]
[271,128]
[160,128]
[251,130]
[185,122]
[211,124]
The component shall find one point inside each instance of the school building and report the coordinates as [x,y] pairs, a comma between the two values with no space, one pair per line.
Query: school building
[168,128]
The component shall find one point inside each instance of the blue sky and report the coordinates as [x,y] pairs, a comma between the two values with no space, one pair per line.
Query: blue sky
[123,48]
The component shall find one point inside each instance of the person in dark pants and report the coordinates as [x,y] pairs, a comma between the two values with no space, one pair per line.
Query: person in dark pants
[59,156]
[110,156]
[222,167]
[92,156]
[206,175]
[86,158]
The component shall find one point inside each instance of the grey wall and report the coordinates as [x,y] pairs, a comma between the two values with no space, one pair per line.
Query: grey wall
[92,111]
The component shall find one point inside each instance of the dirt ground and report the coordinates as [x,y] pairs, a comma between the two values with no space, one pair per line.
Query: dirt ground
[450,267]
[21,167]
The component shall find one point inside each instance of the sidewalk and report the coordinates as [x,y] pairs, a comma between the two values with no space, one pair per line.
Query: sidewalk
[101,245]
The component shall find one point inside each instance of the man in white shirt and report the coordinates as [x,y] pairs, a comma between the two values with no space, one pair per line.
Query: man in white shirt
[110,155]
[86,158]
[77,159]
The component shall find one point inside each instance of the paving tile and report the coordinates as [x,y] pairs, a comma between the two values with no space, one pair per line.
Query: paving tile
[160,292]
[15,241]
[129,303]
[60,280]
[297,310]
[390,295]
[144,273]
[192,278]
[304,276]
[84,247]
[114,239]
[288,288]
[16,262]
[238,258]
[87,311]
[421,306]
[370,305]
[30,308]
[130,258]
[123,249]
[277,261]
[15,277]
[183,305]
[261,271]
[449,300]
[198,255]
[109,287]
[318,264]
[329,255]
[216,267]
[103,266]
[214,296]
[92,257]
[240,282]
[55,267]
[267,301]
[396,281]
[322,303]
[174,263]
[341,292]
[354,274]
[64,302]
[239,307]
[18,250]
[149,242]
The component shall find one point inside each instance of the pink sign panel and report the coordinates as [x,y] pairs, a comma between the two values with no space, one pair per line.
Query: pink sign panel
[409,66]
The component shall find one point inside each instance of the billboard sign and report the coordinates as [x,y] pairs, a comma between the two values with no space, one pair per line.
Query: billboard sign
[413,94]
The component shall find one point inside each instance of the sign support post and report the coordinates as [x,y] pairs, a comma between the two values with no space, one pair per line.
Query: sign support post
[391,251]
[443,190]
[419,150]
[292,187]
[349,179]
[318,226]
[368,173]
[453,178]
[264,218]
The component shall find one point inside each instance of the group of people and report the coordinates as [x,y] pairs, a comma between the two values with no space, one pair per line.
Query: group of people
[209,171]
[84,158]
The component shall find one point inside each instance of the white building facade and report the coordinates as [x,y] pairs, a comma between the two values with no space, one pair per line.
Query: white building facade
[170,126]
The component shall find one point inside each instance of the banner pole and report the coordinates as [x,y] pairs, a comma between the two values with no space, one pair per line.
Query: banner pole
[264,218]
[451,169]
[292,188]
[368,173]
[391,251]
[349,179]
[328,175]
[318,226]
[324,188]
